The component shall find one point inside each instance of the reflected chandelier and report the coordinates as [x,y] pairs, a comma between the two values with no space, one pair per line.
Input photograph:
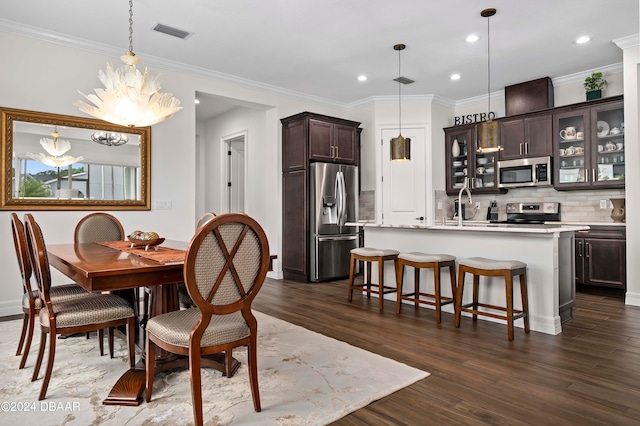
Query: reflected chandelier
[56,147]
[130,97]
[109,138]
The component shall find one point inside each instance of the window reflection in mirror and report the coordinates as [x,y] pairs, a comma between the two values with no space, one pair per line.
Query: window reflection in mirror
[59,162]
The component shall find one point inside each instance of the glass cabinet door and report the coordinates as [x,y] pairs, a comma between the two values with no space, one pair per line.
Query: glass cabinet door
[572,134]
[458,151]
[608,126]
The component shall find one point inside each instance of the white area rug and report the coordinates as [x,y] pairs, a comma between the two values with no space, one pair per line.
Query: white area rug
[305,379]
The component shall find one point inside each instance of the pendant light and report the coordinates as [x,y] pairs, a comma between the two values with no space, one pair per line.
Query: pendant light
[400,146]
[55,147]
[130,97]
[488,131]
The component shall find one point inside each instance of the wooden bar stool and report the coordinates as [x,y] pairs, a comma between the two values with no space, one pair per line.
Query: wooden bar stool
[369,255]
[431,261]
[493,268]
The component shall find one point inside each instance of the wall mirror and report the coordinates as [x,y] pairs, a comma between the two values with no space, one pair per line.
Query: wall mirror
[60,162]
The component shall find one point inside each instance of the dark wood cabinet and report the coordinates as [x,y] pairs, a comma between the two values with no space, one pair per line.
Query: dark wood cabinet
[308,137]
[479,168]
[525,137]
[601,256]
[594,156]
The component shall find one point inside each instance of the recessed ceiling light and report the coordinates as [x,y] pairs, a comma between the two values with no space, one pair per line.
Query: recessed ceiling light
[362,78]
[583,39]
[455,77]
[472,38]
[196,101]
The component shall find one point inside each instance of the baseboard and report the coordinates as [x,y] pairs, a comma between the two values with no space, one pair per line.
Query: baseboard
[10,307]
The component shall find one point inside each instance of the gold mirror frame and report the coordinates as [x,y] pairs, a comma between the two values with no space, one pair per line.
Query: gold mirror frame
[8,202]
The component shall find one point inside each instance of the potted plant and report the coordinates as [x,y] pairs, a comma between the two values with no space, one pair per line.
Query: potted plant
[593,85]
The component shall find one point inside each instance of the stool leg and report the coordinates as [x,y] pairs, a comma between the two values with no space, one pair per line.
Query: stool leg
[458,298]
[352,273]
[380,283]
[508,278]
[476,289]
[368,278]
[452,277]
[436,290]
[416,287]
[399,285]
[525,300]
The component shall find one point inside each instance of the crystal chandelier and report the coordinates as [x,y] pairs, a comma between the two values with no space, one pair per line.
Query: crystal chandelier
[56,147]
[109,138]
[130,97]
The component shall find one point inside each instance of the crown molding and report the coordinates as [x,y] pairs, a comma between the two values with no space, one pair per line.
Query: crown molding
[629,41]
[579,76]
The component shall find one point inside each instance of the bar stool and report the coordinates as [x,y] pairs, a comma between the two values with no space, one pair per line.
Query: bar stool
[493,268]
[431,261]
[369,255]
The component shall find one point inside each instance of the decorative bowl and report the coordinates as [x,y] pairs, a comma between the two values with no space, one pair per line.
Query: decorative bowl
[135,242]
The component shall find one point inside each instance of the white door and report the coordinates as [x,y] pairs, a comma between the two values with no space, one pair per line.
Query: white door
[404,182]
[235,175]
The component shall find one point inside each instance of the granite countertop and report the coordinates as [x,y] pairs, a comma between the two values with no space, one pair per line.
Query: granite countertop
[485,226]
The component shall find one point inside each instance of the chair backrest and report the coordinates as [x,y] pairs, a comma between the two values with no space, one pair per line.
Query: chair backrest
[22,252]
[98,227]
[226,264]
[38,257]
[204,219]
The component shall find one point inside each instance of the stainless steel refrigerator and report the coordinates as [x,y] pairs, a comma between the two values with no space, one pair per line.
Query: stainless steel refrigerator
[333,202]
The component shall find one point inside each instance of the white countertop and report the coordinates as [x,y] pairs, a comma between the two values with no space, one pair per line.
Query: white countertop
[483,226]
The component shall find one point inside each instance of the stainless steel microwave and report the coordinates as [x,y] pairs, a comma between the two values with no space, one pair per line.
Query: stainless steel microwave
[525,172]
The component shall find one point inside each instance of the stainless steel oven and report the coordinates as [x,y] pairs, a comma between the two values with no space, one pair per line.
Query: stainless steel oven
[525,172]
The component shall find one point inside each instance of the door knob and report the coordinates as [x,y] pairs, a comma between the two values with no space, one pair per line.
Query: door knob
[420,218]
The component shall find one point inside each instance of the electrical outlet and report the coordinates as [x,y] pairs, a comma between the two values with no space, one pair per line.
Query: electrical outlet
[439,205]
[163,204]
[477,205]
[603,204]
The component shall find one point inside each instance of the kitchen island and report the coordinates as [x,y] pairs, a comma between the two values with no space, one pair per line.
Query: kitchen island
[548,251]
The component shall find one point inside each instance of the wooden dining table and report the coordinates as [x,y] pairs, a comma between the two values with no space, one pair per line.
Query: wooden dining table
[98,268]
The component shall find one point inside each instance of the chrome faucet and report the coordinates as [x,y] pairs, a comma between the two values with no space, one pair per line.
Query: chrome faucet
[465,187]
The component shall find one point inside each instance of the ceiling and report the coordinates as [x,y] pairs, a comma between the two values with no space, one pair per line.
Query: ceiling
[317,48]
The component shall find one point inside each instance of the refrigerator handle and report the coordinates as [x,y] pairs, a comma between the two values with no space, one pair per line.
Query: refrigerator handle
[343,199]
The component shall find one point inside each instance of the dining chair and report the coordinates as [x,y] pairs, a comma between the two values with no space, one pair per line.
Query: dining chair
[92,312]
[183,295]
[226,264]
[98,226]
[31,302]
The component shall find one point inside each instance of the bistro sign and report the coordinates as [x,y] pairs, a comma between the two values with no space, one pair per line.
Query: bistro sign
[473,118]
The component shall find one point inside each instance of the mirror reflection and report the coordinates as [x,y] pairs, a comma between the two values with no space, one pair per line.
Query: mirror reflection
[65,162]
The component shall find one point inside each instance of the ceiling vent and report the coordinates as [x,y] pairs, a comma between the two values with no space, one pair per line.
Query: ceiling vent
[174,32]
[403,80]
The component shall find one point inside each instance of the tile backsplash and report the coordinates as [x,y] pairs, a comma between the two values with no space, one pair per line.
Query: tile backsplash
[576,206]
[367,205]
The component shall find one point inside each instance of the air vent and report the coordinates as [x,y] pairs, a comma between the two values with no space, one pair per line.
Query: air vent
[174,32]
[403,80]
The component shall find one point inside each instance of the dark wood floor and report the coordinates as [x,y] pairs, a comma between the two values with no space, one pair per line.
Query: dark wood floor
[587,375]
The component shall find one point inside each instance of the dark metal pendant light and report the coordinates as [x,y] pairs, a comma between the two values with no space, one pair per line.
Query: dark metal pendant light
[488,132]
[400,146]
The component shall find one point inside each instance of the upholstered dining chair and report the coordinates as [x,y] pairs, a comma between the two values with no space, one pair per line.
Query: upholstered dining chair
[98,226]
[226,264]
[183,295]
[89,313]
[31,302]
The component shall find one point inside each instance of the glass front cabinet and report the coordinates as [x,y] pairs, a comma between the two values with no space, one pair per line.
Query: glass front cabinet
[589,147]
[462,161]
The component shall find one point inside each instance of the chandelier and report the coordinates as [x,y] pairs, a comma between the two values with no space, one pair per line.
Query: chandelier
[400,146]
[130,97]
[109,138]
[55,147]
[488,131]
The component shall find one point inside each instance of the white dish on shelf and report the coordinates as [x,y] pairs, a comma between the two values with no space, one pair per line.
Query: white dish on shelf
[482,161]
[457,163]
[489,170]
[458,174]
[603,128]
[458,185]
[488,184]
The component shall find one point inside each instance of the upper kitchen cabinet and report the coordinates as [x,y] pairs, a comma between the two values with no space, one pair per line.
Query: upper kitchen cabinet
[314,137]
[524,137]
[589,145]
[462,161]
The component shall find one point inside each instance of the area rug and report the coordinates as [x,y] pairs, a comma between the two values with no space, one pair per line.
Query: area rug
[305,379]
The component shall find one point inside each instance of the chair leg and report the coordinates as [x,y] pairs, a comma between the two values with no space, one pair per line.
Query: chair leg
[380,284]
[416,287]
[23,333]
[252,358]
[508,278]
[131,344]
[352,273]
[436,292]
[110,334]
[399,285]
[101,341]
[476,296]
[27,344]
[196,384]
[47,374]
[452,277]
[43,345]
[458,301]
[228,362]
[149,367]
[525,301]
[367,279]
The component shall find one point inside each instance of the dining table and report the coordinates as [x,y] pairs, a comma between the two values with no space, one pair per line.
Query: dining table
[120,266]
